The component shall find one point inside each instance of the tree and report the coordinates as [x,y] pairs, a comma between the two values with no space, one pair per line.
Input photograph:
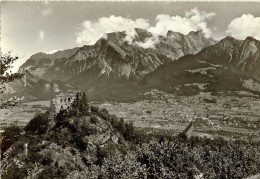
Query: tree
[9,137]
[84,107]
[129,131]
[6,75]
[61,119]
[80,106]
[75,106]
[38,125]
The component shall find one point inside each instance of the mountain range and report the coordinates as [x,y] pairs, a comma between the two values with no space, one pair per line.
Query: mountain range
[229,65]
[113,67]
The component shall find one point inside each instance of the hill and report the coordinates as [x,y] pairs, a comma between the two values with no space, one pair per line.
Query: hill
[52,147]
[88,142]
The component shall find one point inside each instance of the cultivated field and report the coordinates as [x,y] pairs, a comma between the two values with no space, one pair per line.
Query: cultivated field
[22,113]
[228,117]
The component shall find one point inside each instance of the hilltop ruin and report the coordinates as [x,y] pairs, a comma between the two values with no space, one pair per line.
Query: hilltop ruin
[63,101]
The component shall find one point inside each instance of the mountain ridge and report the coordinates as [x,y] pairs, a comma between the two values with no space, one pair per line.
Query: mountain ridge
[112,60]
[101,53]
[224,66]
[176,63]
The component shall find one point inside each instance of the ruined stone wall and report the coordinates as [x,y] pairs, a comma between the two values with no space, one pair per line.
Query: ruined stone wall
[63,101]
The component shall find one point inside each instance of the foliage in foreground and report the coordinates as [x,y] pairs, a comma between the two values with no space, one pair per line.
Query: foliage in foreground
[64,148]
[6,75]
[180,159]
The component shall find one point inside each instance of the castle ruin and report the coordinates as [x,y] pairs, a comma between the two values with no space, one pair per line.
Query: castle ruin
[63,101]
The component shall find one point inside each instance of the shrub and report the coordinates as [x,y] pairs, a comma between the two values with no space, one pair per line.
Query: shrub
[101,154]
[129,131]
[213,100]
[121,126]
[94,109]
[93,119]
[78,139]
[38,125]
[10,135]
[61,119]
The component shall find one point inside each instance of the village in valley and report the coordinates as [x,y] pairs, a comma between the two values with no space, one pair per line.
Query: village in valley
[5,103]
[229,117]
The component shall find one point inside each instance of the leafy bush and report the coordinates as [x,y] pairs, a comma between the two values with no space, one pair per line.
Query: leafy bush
[129,131]
[38,125]
[191,158]
[9,137]
[93,119]
[213,100]
[61,119]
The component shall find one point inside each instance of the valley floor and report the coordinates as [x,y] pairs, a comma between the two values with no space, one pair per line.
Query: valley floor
[227,117]
[22,113]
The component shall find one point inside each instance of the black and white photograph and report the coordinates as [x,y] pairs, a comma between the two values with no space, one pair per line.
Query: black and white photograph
[121,89]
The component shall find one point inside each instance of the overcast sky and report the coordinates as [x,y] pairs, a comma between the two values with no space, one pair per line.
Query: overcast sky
[31,27]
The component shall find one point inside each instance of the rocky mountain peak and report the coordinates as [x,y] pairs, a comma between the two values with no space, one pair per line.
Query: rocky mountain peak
[249,38]
[196,33]
[174,35]
[143,32]
[250,45]
[115,37]
[230,40]
[229,44]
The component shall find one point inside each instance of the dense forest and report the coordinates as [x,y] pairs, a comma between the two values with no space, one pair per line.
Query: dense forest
[88,142]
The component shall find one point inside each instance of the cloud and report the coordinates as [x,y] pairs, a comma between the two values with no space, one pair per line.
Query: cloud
[193,20]
[149,43]
[246,25]
[53,51]
[46,2]
[91,31]
[47,12]
[41,35]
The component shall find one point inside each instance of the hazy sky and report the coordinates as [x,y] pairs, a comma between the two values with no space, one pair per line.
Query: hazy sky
[31,27]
